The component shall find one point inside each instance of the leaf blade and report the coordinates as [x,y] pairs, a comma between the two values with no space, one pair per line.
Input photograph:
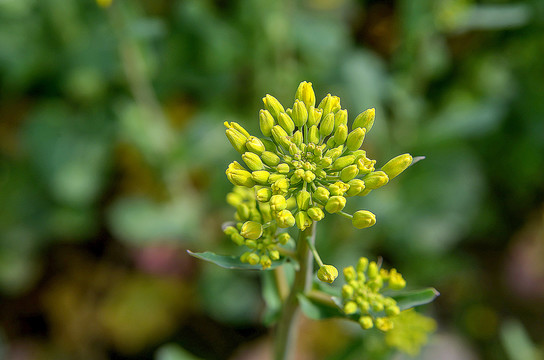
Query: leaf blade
[231,262]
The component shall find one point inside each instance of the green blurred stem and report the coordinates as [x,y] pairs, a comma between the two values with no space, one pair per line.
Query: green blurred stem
[287,327]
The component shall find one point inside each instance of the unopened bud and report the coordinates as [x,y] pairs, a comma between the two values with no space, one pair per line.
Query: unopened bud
[341,118]
[375,180]
[350,308]
[302,220]
[285,219]
[363,219]
[253,161]
[355,139]
[253,259]
[260,177]
[270,159]
[305,93]
[280,136]
[237,140]
[303,199]
[286,123]
[283,168]
[327,273]
[327,125]
[280,186]
[341,134]
[315,213]
[314,116]
[366,322]
[349,172]
[278,203]
[308,176]
[251,230]
[365,120]
[397,165]
[355,187]
[266,122]
[313,134]
[300,113]
[263,195]
[321,194]
[342,162]
[255,145]
[297,138]
[284,238]
[335,204]
[273,105]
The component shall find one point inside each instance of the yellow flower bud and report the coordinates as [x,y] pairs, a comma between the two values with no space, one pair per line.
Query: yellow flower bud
[297,138]
[253,161]
[392,310]
[377,306]
[327,273]
[342,162]
[278,203]
[251,244]
[266,122]
[330,143]
[325,104]
[237,239]
[243,212]
[366,322]
[315,213]
[355,139]
[396,281]
[260,177]
[397,165]
[253,259]
[303,199]
[327,125]
[347,291]
[362,264]
[365,120]
[372,270]
[274,254]
[314,116]
[251,230]
[300,113]
[363,219]
[338,188]
[237,127]
[321,194]
[325,162]
[265,262]
[335,204]
[355,187]
[305,93]
[280,186]
[285,219]
[349,273]
[263,195]
[275,177]
[283,168]
[335,153]
[284,238]
[384,324]
[365,165]
[273,105]
[308,176]
[230,230]
[270,159]
[255,145]
[350,308]
[313,134]
[341,134]
[237,140]
[349,172]
[302,220]
[244,257]
[281,137]
[286,123]
[234,199]
[375,180]
[240,177]
[341,118]
[293,149]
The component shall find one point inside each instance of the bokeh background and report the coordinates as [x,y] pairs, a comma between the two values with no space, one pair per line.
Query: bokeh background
[112,158]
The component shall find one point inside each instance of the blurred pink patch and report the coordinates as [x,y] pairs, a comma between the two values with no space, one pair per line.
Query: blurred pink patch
[163,259]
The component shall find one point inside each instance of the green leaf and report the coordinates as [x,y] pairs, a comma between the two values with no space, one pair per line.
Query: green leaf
[410,299]
[231,262]
[271,298]
[317,309]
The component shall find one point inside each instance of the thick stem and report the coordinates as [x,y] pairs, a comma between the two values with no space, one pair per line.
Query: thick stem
[287,327]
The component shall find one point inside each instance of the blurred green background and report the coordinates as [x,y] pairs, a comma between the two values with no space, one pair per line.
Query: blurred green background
[112,158]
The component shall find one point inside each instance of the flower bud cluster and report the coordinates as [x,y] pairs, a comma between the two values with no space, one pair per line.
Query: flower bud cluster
[361,295]
[253,228]
[309,157]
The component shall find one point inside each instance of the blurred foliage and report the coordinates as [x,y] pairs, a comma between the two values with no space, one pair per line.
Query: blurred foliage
[112,158]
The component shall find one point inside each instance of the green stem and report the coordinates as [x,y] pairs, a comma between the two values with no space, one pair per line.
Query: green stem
[288,323]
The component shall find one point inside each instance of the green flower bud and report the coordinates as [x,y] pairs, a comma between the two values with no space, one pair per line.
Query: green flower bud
[313,134]
[237,140]
[253,161]
[237,239]
[364,306]
[335,153]
[365,165]
[286,123]
[327,125]
[325,162]
[270,159]
[347,291]
[363,219]
[285,219]
[327,273]
[263,195]
[316,214]
[251,230]
[303,199]
[338,188]
[396,281]
[308,176]
[255,145]
[392,310]
[372,270]
[275,177]
[314,116]
[300,113]
[283,168]
[331,143]
[350,308]
[230,230]
[397,165]
[265,262]
[244,257]
[260,177]
[375,180]
[266,122]
[234,199]
[341,118]
[251,244]
[362,264]
[280,186]
[349,273]
[335,204]
[355,187]
[284,238]
[320,173]
[321,195]
[341,134]
[305,93]
[274,254]
[349,172]
[237,127]
[365,120]
[297,138]
[253,259]
[342,162]
[355,139]
[325,104]
[243,212]
[293,149]
[278,203]
[281,137]
[302,220]
[384,324]
[366,322]
[240,177]
[273,105]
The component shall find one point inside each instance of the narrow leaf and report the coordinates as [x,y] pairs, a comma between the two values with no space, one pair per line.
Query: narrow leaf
[410,299]
[231,262]
[318,310]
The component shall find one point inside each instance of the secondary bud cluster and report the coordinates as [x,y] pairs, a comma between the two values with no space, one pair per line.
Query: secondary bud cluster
[361,295]
[309,156]
[254,229]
